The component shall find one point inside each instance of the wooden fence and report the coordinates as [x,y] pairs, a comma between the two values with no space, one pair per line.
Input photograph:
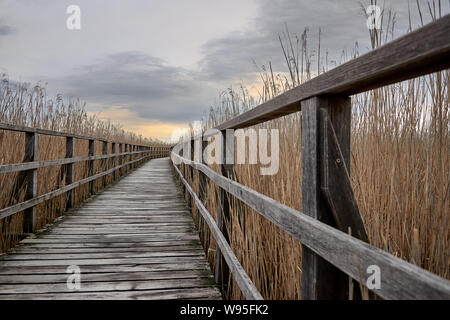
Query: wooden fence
[116,164]
[329,209]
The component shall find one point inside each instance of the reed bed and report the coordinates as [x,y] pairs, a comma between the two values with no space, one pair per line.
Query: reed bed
[400,151]
[22,104]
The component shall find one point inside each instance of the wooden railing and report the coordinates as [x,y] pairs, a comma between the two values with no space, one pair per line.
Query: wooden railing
[329,208]
[119,164]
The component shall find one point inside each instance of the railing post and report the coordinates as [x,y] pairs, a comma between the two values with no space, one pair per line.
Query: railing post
[113,160]
[91,165]
[105,162]
[120,159]
[125,160]
[192,142]
[130,157]
[31,154]
[70,172]
[320,279]
[223,205]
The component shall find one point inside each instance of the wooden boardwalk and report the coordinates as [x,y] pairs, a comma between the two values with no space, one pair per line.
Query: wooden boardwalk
[136,240]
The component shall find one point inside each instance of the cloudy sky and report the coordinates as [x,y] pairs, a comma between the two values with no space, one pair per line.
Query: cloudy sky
[156,65]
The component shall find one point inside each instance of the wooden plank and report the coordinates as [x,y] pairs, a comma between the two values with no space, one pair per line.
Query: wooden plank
[400,279]
[418,53]
[105,277]
[185,293]
[240,276]
[31,154]
[186,246]
[107,286]
[51,270]
[81,256]
[115,244]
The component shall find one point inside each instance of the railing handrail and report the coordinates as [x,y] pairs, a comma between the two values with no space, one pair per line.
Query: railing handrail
[18,128]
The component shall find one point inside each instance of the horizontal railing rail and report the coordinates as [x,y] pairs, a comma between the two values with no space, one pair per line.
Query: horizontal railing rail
[326,113]
[125,161]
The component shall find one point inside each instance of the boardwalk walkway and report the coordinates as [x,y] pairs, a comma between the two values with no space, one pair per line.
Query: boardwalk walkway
[136,240]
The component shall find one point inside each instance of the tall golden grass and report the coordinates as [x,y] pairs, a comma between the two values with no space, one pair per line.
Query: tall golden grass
[22,104]
[400,151]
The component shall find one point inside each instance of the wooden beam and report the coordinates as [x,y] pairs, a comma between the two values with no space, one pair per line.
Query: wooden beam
[113,160]
[320,279]
[91,153]
[31,154]
[105,162]
[69,168]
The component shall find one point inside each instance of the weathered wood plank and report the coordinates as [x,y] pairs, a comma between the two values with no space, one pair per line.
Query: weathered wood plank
[185,293]
[107,286]
[164,266]
[105,277]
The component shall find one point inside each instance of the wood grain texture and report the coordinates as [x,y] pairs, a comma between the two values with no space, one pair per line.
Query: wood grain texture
[31,154]
[320,279]
[136,240]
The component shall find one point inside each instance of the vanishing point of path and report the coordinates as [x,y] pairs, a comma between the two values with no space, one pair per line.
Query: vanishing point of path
[135,240]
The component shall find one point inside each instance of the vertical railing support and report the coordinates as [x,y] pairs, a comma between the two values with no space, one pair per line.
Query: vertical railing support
[70,144]
[223,206]
[120,160]
[105,162]
[31,154]
[320,279]
[91,165]
[113,160]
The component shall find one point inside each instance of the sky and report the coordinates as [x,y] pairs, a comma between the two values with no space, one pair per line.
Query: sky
[155,66]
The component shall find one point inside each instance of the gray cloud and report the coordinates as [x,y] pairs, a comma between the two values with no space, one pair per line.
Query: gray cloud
[140,83]
[343,23]
[5,30]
